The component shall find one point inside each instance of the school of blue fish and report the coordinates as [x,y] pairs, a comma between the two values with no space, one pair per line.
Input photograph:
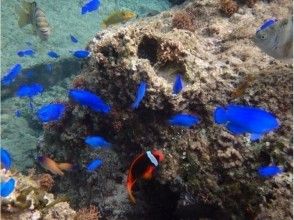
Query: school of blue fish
[237,119]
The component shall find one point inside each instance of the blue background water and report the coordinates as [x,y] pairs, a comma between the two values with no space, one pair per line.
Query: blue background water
[19,134]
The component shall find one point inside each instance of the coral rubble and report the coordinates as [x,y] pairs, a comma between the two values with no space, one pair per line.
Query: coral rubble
[207,172]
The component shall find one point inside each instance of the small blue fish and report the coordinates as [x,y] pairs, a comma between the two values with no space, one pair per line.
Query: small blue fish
[29,90]
[49,67]
[185,120]
[81,53]
[18,113]
[73,39]
[50,112]
[246,119]
[96,142]
[139,95]
[27,52]
[269,171]
[6,160]
[53,54]
[91,5]
[93,165]
[89,99]
[178,84]
[11,74]
[267,23]
[6,188]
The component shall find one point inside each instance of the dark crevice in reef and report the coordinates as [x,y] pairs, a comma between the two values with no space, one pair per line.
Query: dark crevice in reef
[147,49]
[177,2]
[169,70]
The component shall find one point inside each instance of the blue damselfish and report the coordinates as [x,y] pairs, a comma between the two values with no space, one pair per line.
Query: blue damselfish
[96,142]
[178,84]
[267,23]
[53,54]
[6,160]
[89,99]
[27,52]
[81,53]
[29,90]
[11,75]
[91,5]
[73,39]
[50,112]
[246,119]
[6,188]
[94,164]
[269,171]
[139,95]
[185,120]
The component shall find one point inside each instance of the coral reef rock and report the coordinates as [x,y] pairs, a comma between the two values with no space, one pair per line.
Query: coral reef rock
[207,172]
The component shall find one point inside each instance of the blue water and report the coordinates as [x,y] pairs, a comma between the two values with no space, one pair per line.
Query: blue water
[20,134]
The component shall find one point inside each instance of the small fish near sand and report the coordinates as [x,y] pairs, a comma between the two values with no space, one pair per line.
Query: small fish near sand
[6,160]
[240,119]
[50,112]
[276,38]
[29,90]
[94,164]
[184,120]
[118,17]
[89,99]
[143,166]
[26,52]
[139,95]
[53,54]
[81,54]
[90,6]
[53,167]
[11,75]
[96,142]
[73,39]
[269,171]
[30,13]
[6,188]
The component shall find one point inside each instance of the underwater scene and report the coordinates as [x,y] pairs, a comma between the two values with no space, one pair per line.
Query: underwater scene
[146,110]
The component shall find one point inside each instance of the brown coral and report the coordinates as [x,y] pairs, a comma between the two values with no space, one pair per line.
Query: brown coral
[46,181]
[229,7]
[90,213]
[250,3]
[182,20]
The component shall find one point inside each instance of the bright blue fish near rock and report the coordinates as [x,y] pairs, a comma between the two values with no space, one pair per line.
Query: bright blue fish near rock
[91,5]
[73,39]
[18,113]
[6,160]
[27,52]
[81,53]
[267,23]
[53,54]
[246,119]
[50,112]
[96,142]
[184,120]
[11,75]
[94,164]
[139,95]
[29,90]
[89,99]
[6,188]
[269,171]
[178,84]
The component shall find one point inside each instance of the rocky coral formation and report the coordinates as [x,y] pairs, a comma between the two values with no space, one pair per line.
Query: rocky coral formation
[30,201]
[207,172]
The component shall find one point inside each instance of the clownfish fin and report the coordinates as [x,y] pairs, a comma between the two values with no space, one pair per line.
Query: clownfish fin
[147,175]
[130,191]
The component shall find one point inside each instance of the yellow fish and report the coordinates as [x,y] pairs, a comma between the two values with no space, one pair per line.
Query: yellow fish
[118,17]
[30,13]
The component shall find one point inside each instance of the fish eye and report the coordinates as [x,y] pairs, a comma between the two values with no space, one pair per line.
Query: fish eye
[263,36]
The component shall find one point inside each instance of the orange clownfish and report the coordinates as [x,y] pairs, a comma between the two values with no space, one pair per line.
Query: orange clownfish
[143,166]
[53,167]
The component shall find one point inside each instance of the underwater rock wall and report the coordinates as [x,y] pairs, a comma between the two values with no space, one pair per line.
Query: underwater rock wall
[207,172]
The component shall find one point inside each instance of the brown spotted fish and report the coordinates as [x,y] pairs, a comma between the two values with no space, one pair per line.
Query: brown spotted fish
[276,39]
[30,13]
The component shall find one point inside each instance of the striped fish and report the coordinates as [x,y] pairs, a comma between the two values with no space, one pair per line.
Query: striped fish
[30,13]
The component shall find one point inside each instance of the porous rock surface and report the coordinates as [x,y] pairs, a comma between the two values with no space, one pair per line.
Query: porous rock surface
[207,172]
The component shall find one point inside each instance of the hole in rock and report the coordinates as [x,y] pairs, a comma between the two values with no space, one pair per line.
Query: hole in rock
[147,49]
[169,70]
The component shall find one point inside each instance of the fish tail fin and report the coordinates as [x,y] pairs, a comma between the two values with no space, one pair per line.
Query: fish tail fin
[65,166]
[135,105]
[220,115]
[24,13]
